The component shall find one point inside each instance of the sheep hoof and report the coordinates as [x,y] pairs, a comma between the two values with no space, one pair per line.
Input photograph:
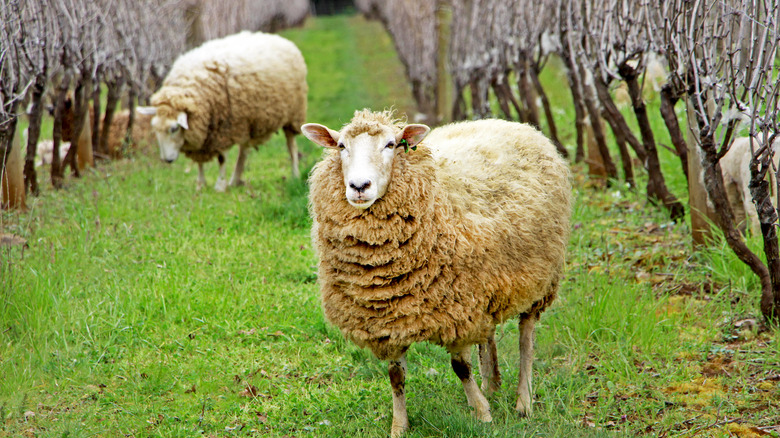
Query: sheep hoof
[397,430]
[482,415]
[221,185]
[237,183]
[523,407]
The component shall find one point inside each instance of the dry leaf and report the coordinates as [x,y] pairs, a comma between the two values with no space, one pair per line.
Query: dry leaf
[191,390]
[249,391]
[249,332]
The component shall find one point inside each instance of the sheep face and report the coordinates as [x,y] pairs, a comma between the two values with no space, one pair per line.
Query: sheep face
[169,131]
[366,158]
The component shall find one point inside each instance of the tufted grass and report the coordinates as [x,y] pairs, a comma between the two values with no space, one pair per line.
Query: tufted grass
[143,308]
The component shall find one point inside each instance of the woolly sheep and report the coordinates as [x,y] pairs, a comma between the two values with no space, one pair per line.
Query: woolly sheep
[238,89]
[735,167]
[46,151]
[142,131]
[439,244]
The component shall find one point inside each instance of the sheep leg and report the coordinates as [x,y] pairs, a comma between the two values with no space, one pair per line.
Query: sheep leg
[462,367]
[292,148]
[221,184]
[736,201]
[488,366]
[236,180]
[750,208]
[201,177]
[527,322]
[397,371]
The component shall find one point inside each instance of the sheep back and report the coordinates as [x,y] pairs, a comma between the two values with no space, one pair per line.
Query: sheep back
[241,88]
[471,231]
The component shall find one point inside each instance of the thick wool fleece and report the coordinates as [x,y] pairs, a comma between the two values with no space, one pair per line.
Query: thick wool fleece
[238,89]
[472,231]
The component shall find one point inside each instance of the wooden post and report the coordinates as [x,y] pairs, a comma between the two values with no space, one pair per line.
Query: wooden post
[12,178]
[701,210]
[595,161]
[84,145]
[443,77]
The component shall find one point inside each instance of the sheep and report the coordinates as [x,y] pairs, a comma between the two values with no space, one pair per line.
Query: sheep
[141,134]
[238,89]
[735,167]
[438,241]
[142,131]
[45,150]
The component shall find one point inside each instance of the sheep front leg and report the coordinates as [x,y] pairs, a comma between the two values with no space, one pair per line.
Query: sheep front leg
[235,180]
[462,367]
[292,148]
[751,215]
[527,323]
[201,178]
[397,371]
[221,184]
[488,366]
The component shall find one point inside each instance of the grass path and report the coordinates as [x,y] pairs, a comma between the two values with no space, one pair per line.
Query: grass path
[142,308]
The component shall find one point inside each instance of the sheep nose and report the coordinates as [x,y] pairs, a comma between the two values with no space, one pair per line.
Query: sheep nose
[169,160]
[360,186]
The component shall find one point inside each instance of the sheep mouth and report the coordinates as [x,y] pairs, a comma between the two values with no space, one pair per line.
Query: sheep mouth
[360,202]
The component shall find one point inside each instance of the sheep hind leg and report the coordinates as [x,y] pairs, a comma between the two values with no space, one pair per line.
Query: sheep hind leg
[221,184]
[292,148]
[201,177]
[235,180]
[462,367]
[524,388]
[488,366]
[397,371]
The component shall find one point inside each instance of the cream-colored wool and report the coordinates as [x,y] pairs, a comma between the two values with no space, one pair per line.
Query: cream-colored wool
[735,167]
[471,231]
[236,90]
[142,131]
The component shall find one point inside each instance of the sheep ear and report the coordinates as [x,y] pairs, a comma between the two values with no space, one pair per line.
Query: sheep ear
[182,120]
[146,110]
[413,134]
[320,134]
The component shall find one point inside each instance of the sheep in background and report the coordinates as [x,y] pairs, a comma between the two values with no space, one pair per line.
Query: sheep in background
[238,89]
[46,150]
[438,244]
[655,76]
[142,131]
[735,167]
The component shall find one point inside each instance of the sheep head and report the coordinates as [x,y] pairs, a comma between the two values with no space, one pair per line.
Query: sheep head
[367,152]
[168,127]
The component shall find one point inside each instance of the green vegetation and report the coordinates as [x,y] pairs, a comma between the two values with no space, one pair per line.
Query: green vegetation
[143,308]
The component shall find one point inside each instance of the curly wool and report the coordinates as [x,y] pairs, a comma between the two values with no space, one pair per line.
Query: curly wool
[471,231]
[238,89]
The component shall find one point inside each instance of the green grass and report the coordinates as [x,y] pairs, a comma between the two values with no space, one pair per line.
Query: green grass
[144,308]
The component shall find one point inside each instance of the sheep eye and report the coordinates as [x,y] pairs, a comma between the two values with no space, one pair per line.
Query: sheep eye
[341,145]
[174,128]
[390,144]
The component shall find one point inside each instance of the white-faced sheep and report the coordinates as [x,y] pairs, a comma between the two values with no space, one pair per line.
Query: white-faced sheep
[236,90]
[440,243]
[735,167]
